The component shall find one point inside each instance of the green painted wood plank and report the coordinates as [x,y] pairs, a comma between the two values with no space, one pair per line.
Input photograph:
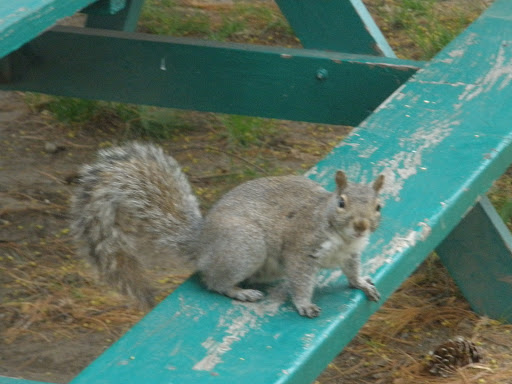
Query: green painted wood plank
[22,20]
[13,380]
[335,25]
[440,142]
[208,76]
[123,20]
[478,255]
[106,7]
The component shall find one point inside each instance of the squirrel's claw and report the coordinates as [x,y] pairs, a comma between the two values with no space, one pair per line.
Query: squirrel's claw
[309,310]
[366,285]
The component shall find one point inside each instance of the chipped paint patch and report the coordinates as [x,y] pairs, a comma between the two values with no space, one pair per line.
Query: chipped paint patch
[367,152]
[321,176]
[348,144]
[398,244]
[190,310]
[442,82]
[426,230]
[499,75]
[372,265]
[457,53]
[406,163]
[215,349]
[238,322]
[307,340]
[354,170]
[312,172]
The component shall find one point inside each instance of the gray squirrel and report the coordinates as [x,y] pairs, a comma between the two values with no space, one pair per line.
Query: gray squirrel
[135,201]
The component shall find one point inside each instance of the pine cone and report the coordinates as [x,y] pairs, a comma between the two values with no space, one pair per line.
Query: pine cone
[455,353]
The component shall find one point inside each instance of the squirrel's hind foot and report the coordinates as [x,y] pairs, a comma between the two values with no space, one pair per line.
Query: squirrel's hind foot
[244,294]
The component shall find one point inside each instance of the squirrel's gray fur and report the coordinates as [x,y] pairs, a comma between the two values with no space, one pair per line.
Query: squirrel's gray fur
[135,201]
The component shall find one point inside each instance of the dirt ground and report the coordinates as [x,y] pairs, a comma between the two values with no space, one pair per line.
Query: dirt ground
[55,318]
[33,210]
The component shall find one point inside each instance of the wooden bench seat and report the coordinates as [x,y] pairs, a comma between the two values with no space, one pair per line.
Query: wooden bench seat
[441,139]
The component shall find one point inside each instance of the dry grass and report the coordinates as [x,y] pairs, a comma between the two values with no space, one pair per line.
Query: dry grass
[418,29]
[59,297]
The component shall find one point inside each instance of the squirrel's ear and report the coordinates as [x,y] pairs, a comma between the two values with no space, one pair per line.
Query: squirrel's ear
[341,180]
[378,183]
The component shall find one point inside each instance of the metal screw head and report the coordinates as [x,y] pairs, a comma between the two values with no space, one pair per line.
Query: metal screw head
[322,74]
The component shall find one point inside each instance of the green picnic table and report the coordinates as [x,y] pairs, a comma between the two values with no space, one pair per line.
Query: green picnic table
[440,131]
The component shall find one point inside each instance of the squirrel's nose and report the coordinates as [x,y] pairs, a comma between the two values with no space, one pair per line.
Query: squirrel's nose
[361,225]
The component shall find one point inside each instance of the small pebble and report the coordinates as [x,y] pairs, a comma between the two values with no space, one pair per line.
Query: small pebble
[51,147]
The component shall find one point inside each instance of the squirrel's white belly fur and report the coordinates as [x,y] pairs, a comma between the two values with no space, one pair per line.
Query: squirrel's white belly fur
[335,250]
[331,254]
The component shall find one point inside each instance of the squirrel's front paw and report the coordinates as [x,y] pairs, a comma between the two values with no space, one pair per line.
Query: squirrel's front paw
[309,310]
[366,285]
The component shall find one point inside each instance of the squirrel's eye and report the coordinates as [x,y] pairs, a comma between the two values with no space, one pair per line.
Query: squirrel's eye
[341,202]
[378,207]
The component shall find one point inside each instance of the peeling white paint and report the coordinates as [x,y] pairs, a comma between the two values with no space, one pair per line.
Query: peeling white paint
[354,170]
[398,244]
[372,265]
[442,82]
[188,309]
[426,230]
[347,144]
[499,75]
[457,53]
[367,152]
[238,321]
[307,340]
[406,163]
[312,171]
[320,176]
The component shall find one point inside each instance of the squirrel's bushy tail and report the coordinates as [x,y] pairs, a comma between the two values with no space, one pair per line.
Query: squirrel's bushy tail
[133,201]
